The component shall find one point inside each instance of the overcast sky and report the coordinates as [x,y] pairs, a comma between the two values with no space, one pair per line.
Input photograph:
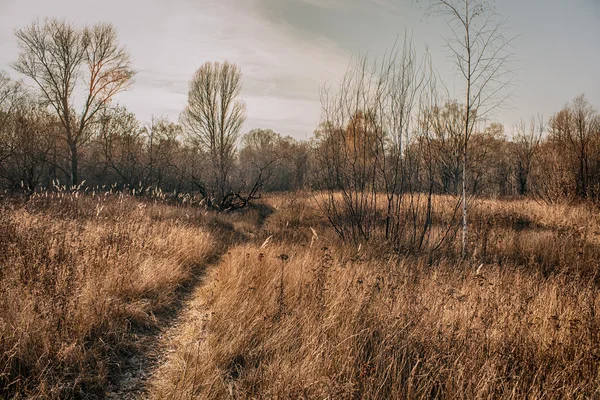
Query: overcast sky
[288,48]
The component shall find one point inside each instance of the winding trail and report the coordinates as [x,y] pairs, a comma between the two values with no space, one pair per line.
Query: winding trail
[154,346]
[131,381]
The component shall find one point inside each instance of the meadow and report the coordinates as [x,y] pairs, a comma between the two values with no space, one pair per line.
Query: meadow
[268,302]
[411,247]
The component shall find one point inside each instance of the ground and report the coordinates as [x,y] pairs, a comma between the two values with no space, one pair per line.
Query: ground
[110,295]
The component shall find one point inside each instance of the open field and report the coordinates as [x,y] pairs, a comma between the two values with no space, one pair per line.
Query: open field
[81,277]
[293,201]
[329,321]
[92,282]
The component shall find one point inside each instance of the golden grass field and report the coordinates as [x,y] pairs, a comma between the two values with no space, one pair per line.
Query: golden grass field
[268,303]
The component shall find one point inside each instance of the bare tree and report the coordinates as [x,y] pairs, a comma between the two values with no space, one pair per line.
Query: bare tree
[213,121]
[482,54]
[446,125]
[61,59]
[374,152]
[141,157]
[121,141]
[262,147]
[527,144]
[575,131]
[162,142]
[11,93]
[27,131]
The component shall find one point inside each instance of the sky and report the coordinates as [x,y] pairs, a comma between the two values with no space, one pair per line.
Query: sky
[288,49]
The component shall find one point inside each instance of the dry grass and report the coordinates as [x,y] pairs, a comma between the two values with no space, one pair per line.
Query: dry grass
[333,321]
[301,315]
[80,275]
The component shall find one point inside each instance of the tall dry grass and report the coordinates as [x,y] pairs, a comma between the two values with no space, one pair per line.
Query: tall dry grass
[300,315]
[81,276]
[314,318]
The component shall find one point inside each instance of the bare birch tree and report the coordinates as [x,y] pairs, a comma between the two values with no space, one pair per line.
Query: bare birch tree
[62,59]
[482,55]
[213,120]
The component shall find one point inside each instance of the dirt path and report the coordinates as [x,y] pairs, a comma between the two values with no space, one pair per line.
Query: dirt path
[152,345]
[139,369]
[155,346]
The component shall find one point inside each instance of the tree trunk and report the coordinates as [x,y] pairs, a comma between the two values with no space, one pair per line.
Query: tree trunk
[464,201]
[74,162]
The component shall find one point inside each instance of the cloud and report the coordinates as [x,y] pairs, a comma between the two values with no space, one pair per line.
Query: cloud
[288,53]
[282,68]
[364,5]
[327,3]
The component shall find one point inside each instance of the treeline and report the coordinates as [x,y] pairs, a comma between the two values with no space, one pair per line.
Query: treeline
[553,160]
[556,160]
[119,151]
